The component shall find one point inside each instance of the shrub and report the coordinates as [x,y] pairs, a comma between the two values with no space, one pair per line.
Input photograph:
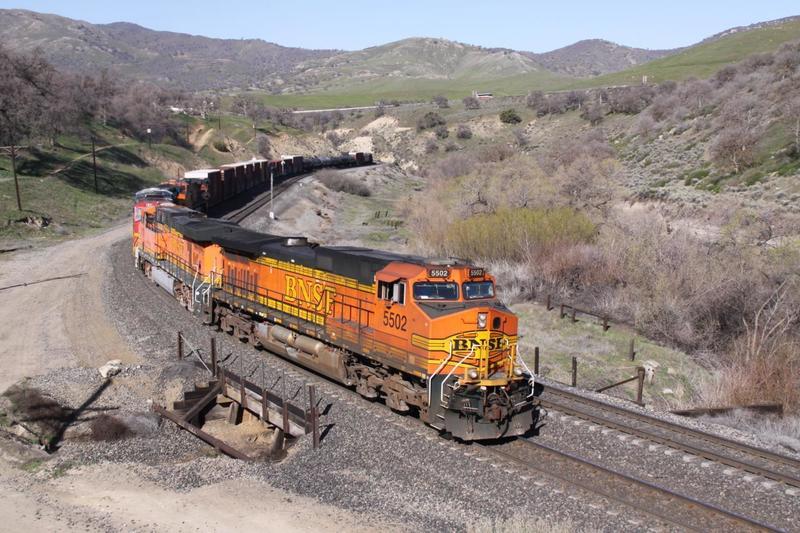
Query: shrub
[515,234]
[593,113]
[734,148]
[463,132]
[442,132]
[337,181]
[431,119]
[431,146]
[764,362]
[451,147]
[334,138]
[221,146]
[535,100]
[510,116]
[520,137]
[470,102]
[441,102]
[458,164]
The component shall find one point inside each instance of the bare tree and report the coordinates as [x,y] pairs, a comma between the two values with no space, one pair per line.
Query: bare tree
[791,110]
[734,148]
[441,101]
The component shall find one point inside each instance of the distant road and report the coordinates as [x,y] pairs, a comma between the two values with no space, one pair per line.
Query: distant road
[304,111]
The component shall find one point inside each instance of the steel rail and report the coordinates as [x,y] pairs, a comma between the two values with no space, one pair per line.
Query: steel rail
[242,213]
[643,503]
[674,442]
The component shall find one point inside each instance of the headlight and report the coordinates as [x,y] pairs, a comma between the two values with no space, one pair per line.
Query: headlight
[472,374]
[518,372]
[481,320]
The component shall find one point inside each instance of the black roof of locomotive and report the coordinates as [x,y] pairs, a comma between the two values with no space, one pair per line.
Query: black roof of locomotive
[350,261]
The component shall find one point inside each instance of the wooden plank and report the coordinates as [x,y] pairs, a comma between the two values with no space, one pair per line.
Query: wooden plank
[199,433]
[201,404]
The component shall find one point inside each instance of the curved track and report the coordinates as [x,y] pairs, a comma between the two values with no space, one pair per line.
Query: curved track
[238,215]
[709,446]
[668,506]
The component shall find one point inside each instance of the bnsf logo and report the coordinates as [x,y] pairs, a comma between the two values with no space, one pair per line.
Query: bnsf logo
[464,345]
[310,292]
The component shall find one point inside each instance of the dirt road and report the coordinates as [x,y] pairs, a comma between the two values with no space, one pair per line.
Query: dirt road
[60,323]
[63,324]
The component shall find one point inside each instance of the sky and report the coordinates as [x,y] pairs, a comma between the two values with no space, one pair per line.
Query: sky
[535,25]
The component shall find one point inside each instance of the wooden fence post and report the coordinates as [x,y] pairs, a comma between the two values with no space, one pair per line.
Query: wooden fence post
[631,351]
[640,384]
[574,371]
[180,346]
[313,413]
[536,360]
[549,307]
[214,356]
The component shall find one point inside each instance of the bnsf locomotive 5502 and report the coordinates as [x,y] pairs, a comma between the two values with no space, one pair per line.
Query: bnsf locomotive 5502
[424,336]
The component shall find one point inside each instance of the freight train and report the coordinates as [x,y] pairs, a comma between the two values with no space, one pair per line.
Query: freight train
[205,188]
[426,336]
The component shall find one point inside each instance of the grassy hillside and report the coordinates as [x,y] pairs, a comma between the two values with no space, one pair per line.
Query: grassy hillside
[704,59]
[387,89]
[701,60]
[57,182]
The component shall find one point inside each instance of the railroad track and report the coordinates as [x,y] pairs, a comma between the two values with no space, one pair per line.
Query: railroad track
[666,505]
[716,448]
[261,200]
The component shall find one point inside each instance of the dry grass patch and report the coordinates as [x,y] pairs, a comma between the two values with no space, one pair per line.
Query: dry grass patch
[336,181]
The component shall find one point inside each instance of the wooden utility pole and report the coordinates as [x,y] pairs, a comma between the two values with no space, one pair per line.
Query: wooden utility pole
[94,166]
[14,170]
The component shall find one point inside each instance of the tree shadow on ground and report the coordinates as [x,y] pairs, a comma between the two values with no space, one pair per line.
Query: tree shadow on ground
[110,182]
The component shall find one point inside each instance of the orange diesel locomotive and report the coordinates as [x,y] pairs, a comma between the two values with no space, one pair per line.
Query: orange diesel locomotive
[423,335]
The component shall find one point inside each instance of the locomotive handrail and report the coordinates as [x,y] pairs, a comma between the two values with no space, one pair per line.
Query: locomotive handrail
[436,372]
[441,389]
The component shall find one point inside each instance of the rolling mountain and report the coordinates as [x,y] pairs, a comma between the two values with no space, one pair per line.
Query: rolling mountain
[594,57]
[175,59]
[410,69]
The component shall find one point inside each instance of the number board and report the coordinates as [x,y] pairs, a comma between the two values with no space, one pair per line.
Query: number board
[476,272]
[438,273]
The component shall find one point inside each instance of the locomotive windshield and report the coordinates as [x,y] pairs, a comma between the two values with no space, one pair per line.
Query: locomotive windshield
[436,290]
[478,289]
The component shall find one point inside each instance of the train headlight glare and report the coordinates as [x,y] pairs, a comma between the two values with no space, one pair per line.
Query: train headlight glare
[472,374]
[481,320]
[518,372]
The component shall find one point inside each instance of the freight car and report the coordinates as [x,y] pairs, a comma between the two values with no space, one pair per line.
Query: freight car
[424,336]
[205,188]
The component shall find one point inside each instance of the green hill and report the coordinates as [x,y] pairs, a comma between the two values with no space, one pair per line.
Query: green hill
[704,59]
[394,75]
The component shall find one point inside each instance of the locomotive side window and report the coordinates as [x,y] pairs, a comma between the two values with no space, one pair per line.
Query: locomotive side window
[392,291]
